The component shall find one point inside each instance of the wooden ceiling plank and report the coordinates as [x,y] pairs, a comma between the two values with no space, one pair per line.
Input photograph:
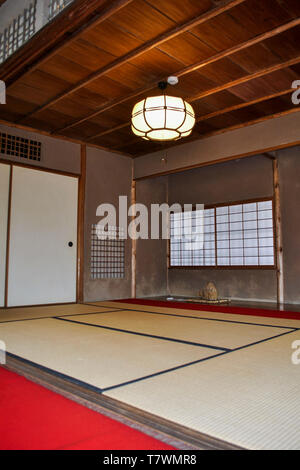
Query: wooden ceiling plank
[226,86]
[77,18]
[247,78]
[223,111]
[226,6]
[5,122]
[138,149]
[243,105]
[194,67]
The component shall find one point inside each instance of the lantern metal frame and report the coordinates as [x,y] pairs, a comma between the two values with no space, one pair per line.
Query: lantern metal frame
[145,135]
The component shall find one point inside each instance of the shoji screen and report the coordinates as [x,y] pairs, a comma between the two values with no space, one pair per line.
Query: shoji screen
[42,265]
[4,194]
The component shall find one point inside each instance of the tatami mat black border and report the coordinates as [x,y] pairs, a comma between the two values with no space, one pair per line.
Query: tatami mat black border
[146,335]
[199,318]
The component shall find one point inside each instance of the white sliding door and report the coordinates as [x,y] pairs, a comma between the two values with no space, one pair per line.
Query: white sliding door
[42,265]
[4,195]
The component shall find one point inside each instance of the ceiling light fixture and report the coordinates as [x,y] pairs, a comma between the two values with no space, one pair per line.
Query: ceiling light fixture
[163,117]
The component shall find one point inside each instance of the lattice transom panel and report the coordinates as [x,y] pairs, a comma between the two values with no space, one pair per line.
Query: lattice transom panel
[15,146]
[107,253]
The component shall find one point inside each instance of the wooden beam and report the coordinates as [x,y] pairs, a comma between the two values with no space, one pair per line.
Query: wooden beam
[8,236]
[220,112]
[226,86]
[220,160]
[138,51]
[247,78]
[133,241]
[293,110]
[192,68]
[81,227]
[278,232]
[77,18]
[60,137]
[233,128]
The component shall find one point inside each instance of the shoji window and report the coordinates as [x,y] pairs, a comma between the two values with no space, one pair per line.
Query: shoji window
[245,235]
[192,241]
[20,30]
[56,6]
[235,235]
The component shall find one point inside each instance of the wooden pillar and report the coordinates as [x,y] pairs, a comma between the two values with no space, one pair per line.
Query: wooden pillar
[278,231]
[133,245]
[81,214]
[8,236]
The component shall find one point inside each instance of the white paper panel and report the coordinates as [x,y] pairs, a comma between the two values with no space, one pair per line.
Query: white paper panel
[42,268]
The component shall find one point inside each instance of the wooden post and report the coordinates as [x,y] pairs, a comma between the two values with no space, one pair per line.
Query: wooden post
[169,237]
[278,231]
[133,245]
[80,234]
[8,236]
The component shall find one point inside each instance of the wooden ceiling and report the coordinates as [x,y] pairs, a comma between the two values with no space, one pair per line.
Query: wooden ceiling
[80,77]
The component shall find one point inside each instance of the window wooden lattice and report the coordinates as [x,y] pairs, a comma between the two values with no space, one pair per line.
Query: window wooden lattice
[18,32]
[56,6]
[235,235]
[15,146]
[107,254]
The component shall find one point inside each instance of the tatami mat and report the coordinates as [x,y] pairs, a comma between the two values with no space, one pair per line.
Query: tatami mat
[25,313]
[194,330]
[202,314]
[249,397]
[99,357]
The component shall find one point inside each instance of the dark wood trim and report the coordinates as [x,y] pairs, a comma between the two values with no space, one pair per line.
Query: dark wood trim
[220,112]
[221,160]
[176,435]
[226,86]
[244,105]
[187,70]
[278,233]
[133,244]
[138,51]
[8,236]
[37,305]
[246,78]
[80,233]
[78,17]
[292,110]
[33,167]
[60,137]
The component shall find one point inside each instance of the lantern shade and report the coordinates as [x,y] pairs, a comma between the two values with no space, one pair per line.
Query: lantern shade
[163,118]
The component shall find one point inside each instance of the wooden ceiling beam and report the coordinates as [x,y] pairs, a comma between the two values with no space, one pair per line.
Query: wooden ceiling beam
[60,137]
[226,86]
[247,78]
[220,112]
[192,68]
[293,110]
[77,18]
[236,107]
[138,51]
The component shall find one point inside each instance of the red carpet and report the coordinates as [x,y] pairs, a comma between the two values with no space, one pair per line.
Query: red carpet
[34,418]
[256,312]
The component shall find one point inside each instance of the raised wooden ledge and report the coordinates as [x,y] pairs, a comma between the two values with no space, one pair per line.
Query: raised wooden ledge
[173,434]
